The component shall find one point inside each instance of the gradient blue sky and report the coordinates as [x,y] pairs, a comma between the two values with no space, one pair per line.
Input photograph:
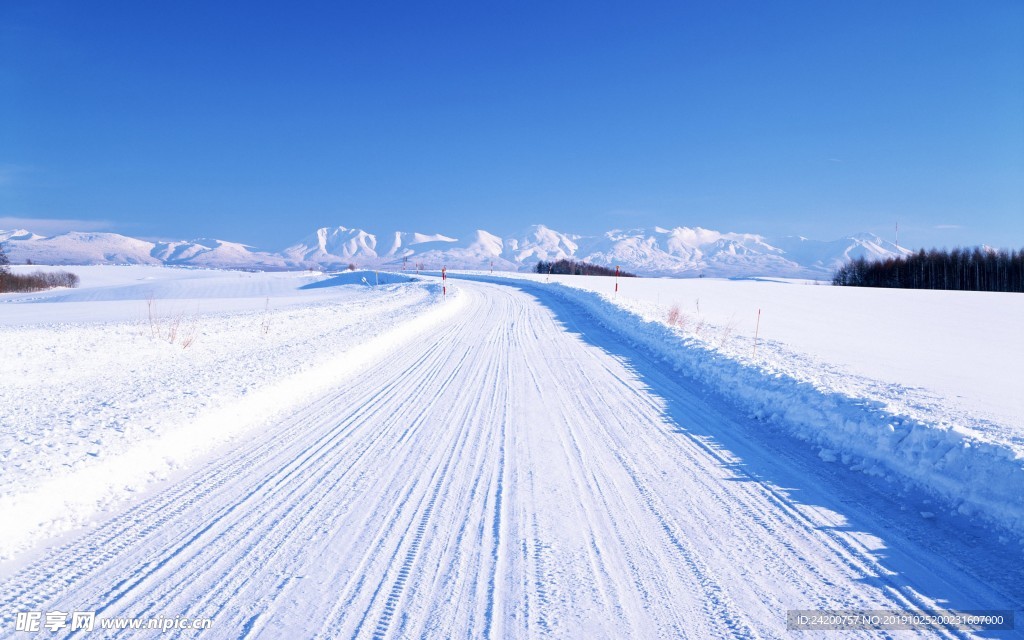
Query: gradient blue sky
[258,122]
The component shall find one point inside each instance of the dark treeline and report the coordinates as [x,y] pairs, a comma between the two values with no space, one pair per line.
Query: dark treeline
[38,281]
[960,269]
[573,268]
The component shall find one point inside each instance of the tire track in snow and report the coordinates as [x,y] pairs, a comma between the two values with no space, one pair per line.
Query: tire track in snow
[847,552]
[276,490]
[462,413]
[510,477]
[164,509]
[384,621]
[781,515]
[584,479]
[311,508]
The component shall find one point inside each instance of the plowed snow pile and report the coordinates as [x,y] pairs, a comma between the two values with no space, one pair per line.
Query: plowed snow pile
[916,386]
[143,369]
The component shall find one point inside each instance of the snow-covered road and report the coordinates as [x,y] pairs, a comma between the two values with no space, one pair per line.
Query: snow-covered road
[523,472]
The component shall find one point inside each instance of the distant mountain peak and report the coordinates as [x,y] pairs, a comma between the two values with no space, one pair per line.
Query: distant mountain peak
[675,251]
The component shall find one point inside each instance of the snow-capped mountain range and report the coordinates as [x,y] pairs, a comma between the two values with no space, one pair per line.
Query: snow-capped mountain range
[682,251]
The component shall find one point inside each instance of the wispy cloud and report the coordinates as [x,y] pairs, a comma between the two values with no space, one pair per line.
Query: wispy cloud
[50,226]
[949,226]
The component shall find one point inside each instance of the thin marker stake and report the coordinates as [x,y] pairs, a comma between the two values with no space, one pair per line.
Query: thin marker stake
[756,329]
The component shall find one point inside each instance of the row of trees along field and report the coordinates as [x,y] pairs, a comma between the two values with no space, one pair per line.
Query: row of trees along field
[959,269]
[38,281]
[573,268]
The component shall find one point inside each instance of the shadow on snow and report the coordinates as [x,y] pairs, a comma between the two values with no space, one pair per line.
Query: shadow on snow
[953,561]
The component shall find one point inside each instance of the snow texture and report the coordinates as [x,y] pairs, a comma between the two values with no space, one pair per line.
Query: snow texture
[832,369]
[170,364]
[513,461]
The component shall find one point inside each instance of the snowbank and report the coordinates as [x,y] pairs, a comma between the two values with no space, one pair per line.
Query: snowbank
[92,412]
[864,426]
[952,352]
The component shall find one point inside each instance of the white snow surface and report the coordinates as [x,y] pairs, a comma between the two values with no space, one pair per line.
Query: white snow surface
[514,459]
[920,386]
[143,369]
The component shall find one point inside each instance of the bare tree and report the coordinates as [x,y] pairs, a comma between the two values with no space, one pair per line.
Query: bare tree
[977,269]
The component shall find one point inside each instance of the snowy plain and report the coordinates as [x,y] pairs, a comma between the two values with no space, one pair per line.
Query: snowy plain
[524,459]
[964,348]
[114,385]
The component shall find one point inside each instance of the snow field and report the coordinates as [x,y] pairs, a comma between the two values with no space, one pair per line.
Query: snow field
[953,352]
[517,469]
[92,412]
[823,391]
[521,473]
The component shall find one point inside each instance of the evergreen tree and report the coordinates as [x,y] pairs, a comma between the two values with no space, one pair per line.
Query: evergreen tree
[573,268]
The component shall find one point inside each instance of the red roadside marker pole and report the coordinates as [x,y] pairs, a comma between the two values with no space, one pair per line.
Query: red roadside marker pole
[444,281]
[616,278]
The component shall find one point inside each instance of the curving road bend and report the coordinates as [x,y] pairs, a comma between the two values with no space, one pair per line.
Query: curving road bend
[523,473]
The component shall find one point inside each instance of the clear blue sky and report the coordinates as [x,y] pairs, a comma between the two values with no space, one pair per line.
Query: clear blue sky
[258,122]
